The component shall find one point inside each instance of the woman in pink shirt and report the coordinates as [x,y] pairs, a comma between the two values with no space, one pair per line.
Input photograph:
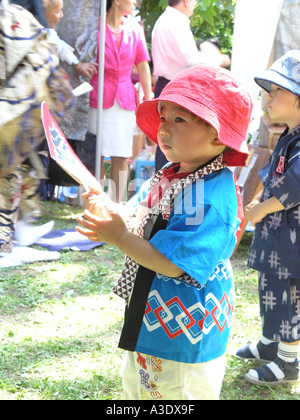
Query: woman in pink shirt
[125,46]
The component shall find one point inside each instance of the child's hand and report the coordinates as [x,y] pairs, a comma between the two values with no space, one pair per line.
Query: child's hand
[100,229]
[255,212]
[95,201]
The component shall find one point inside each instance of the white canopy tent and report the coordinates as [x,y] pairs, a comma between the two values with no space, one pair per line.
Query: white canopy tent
[256,22]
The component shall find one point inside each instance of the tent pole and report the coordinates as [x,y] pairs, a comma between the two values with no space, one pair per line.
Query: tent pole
[100,87]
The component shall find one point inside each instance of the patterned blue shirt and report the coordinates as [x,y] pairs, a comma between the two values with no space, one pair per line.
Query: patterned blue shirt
[182,322]
[275,247]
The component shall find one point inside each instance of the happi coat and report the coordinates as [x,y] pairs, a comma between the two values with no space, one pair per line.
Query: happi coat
[195,224]
[275,248]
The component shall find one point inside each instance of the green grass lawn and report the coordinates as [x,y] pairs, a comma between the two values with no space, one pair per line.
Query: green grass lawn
[60,324]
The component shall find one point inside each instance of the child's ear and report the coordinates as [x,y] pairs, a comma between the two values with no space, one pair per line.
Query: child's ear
[216,143]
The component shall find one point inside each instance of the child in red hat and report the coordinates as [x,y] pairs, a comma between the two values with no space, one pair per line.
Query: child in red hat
[181,231]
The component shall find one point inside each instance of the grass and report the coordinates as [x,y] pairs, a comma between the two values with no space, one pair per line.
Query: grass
[60,324]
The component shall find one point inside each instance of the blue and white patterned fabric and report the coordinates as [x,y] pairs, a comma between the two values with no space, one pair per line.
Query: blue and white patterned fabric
[275,248]
[279,308]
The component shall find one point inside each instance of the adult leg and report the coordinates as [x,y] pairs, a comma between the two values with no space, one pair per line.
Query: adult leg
[10,193]
[119,176]
[30,204]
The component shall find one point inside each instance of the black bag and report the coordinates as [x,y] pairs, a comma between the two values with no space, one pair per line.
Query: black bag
[86,151]
[57,176]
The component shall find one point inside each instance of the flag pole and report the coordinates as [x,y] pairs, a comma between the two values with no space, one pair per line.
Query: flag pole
[100,87]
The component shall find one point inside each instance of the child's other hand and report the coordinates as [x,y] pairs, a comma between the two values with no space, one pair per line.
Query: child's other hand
[99,229]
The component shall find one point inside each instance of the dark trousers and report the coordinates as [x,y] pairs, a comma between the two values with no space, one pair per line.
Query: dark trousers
[279,308]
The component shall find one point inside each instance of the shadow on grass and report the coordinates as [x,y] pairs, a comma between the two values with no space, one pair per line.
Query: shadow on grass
[85,367]
[76,274]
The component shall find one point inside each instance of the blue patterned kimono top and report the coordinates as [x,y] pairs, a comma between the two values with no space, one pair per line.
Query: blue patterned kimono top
[275,248]
[178,320]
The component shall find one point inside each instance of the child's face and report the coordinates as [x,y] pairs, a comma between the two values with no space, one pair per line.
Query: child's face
[185,138]
[55,13]
[283,106]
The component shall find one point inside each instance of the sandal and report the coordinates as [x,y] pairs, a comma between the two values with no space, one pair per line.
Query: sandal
[267,353]
[266,375]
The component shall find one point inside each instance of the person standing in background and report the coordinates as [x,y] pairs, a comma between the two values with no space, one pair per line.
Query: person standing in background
[174,49]
[125,47]
[29,74]
[53,10]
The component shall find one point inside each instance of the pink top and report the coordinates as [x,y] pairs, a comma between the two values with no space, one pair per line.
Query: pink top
[117,37]
[118,66]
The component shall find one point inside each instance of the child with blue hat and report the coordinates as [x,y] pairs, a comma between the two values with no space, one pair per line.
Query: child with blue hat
[275,250]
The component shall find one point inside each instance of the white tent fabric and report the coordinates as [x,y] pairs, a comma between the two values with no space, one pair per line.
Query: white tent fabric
[255,27]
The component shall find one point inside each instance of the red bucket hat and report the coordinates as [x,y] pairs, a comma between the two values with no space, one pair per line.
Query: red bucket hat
[212,94]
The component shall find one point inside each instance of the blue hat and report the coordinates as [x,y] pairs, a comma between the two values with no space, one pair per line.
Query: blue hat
[285,73]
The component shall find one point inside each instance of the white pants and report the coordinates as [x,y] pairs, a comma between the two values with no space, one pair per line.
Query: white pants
[150,378]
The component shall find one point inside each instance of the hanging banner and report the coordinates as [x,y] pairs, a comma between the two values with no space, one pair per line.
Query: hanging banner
[63,154]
